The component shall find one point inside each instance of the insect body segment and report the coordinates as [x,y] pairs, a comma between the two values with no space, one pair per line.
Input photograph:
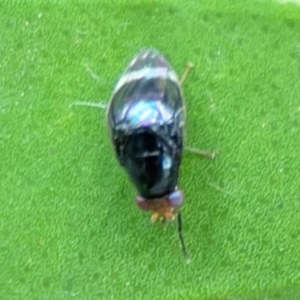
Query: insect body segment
[146,122]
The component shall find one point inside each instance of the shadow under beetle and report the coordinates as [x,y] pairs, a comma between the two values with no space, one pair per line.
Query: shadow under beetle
[146,121]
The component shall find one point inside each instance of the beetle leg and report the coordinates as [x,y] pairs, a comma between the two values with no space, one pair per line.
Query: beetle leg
[186,72]
[205,153]
[90,104]
[167,215]
[190,149]
[154,217]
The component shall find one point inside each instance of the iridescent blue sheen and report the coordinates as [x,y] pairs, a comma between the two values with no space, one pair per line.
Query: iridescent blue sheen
[146,122]
[147,113]
[176,198]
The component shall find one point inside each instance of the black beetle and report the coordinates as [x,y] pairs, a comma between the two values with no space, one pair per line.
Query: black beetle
[146,118]
[146,121]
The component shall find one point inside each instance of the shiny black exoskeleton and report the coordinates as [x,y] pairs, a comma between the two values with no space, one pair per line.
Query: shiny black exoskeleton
[146,122]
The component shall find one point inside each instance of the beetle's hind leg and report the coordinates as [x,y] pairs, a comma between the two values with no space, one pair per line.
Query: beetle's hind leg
[190,149]
[204,153]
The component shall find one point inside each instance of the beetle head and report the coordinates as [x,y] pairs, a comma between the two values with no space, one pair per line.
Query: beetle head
[164,207]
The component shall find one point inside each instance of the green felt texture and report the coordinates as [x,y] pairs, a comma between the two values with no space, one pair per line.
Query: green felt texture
[69,228]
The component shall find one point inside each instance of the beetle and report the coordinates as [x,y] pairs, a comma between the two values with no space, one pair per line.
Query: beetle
[146,123]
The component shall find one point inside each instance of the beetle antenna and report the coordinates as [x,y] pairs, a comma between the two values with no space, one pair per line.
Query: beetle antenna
[186,256]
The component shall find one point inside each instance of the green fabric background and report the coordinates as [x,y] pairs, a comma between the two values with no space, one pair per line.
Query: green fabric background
[69,228]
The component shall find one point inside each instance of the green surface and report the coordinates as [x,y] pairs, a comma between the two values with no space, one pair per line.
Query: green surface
[69,228]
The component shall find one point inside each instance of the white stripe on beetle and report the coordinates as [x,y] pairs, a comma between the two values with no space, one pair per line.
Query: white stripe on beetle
[147,73]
